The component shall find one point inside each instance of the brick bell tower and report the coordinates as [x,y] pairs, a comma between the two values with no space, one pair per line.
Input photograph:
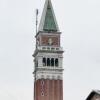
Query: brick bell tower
[48,58]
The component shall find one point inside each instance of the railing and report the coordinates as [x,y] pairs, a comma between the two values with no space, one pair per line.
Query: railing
[50,68]
[50,48]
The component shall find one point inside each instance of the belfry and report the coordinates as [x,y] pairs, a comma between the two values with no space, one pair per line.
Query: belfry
[48,58]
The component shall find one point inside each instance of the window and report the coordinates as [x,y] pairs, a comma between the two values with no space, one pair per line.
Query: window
[52,62]
[48,61]
[44,61]
[56,62]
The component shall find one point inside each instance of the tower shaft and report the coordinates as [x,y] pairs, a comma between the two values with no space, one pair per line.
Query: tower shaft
[48,58]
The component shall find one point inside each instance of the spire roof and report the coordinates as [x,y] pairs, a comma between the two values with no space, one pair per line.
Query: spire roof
[48,20]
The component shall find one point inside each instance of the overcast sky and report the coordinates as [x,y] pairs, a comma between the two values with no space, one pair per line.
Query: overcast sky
[79,22]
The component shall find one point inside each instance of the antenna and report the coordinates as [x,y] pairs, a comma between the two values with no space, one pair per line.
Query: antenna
[36,19]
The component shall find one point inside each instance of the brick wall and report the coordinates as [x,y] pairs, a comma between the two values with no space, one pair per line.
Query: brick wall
[52,89]
[55,39]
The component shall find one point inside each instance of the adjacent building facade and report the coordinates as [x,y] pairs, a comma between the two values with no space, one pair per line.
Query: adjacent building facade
[48,58]
[94,95]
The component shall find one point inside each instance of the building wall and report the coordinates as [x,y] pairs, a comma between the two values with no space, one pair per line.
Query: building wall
[96,97]
[46,89]
[55,39]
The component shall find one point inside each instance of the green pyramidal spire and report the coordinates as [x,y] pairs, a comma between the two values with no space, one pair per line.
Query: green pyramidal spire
[48,21]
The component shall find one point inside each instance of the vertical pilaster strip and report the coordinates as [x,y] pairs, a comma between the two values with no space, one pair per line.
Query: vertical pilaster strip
[46,90]
[50,89]
[48,94]
[53,87]
[55,90]
[34,90]
[61,89]
[58,89]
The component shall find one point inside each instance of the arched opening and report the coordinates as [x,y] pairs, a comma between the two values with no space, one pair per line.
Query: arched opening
[52,62]
[48,61]
[44,61]
[56,62]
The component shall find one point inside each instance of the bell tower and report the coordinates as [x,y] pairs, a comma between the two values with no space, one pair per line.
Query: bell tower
[48,58]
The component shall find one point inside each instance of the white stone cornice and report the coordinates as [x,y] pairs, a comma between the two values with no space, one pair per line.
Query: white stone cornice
[48,74]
